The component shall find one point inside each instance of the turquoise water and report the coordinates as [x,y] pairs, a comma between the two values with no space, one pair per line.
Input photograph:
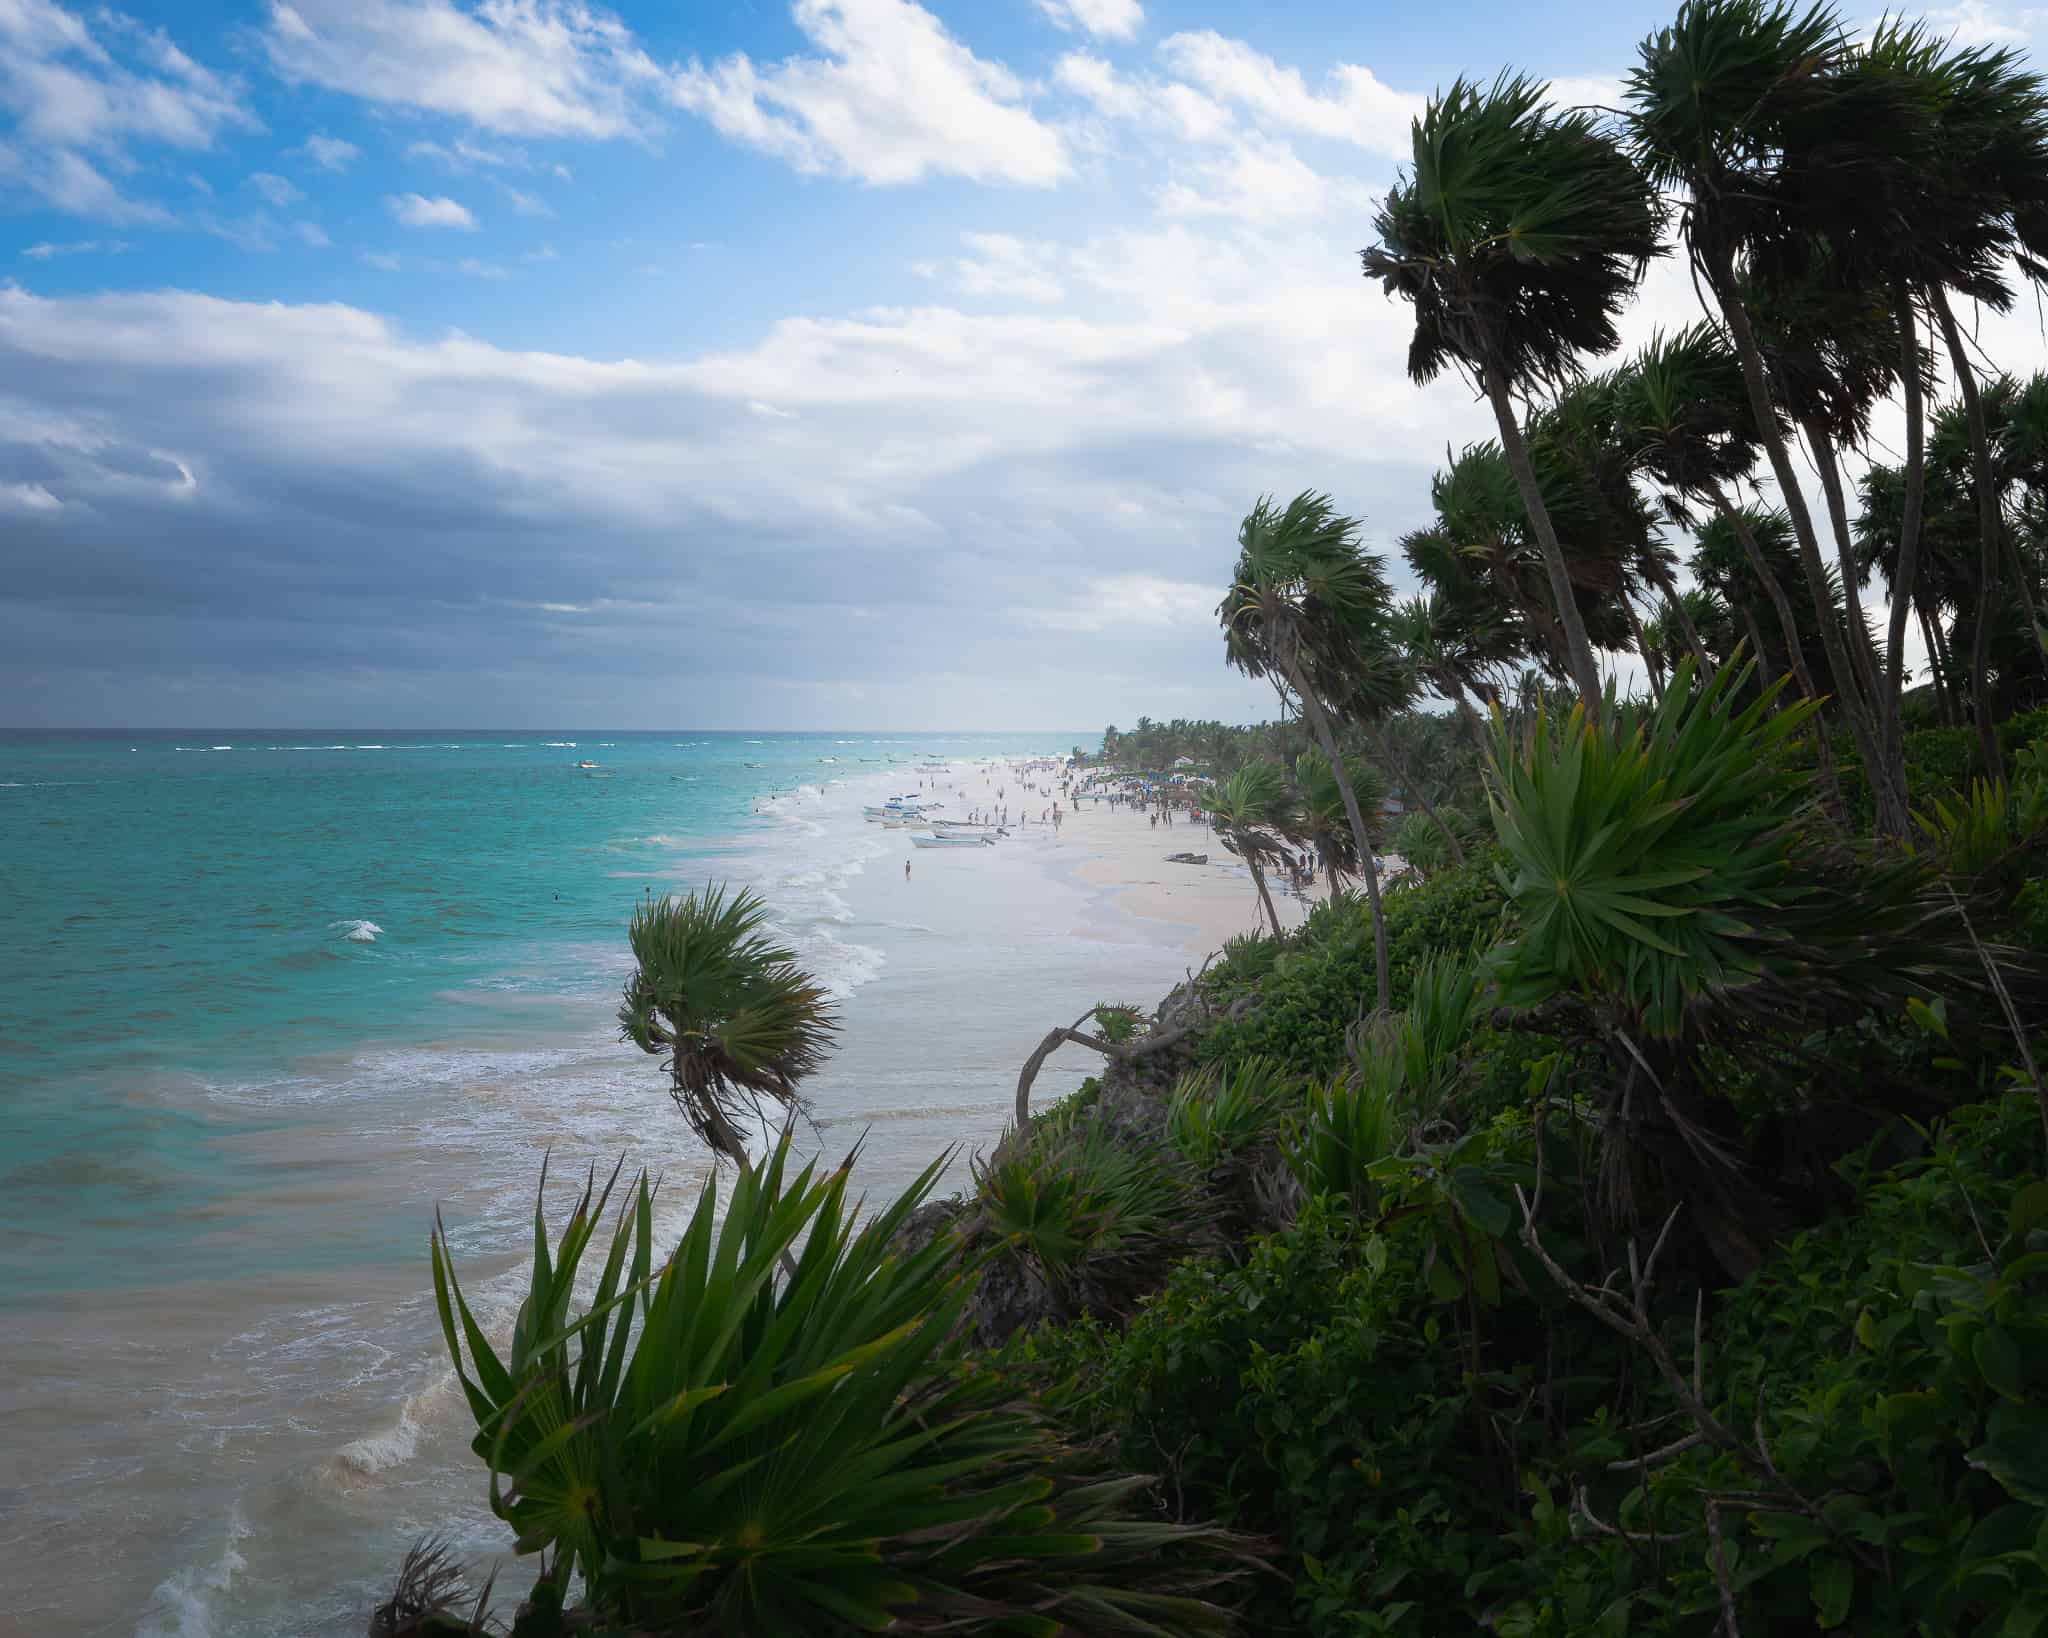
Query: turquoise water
[179,907]
[266,1009]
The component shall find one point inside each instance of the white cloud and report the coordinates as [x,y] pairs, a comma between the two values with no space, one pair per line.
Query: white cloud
[891,97]
[1973,23]
[480,270]
[1118,602]
[1110,19]
[1357,107]
[29,497]
[1258,179]
[83,95]
[546,253]
[525,204]
[416,210]
[385,261]
[313,234]
[1006,266]
[540,67]
[276,189]
[1167,108]
[77,247]
[330,153]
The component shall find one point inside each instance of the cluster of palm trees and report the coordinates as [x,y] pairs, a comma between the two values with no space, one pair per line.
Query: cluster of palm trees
[1836,199]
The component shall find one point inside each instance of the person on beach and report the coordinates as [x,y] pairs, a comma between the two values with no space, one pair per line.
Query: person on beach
[906,870]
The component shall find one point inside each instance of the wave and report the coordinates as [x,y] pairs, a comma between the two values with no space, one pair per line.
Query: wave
[358,932]
[394,1446]
[182,1606]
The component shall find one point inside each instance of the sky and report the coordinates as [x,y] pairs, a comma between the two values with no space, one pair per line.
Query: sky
[843,364]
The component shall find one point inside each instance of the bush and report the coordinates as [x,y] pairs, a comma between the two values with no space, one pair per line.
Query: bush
[774,1432]
[1321,1391]
[1321,982]
[1894,1364]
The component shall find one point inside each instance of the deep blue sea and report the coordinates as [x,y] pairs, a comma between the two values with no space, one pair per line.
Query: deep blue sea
[267,997]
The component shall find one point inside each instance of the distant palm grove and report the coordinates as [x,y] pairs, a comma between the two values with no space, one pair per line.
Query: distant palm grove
[1629,1218]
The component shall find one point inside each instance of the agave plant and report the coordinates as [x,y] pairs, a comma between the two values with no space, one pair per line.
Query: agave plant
[713,1448]
[1666,893]
[1214,1116]
[728,1008]
[1084,1216]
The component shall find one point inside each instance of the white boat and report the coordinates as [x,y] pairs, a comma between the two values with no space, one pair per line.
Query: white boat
[943,826]
[952,839]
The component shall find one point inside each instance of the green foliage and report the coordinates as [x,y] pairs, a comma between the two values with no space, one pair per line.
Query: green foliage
[1214,1116]
[1420,840]
[1315,1392]
[1403,1070]
[1638,858]
[1073,1203]
[1312,987]
[712,1447]
[726,1005]
[1894,1364]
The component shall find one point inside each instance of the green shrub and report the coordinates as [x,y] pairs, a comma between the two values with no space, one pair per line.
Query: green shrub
[1074,1204]
[715,1444]
[1893,1363]
[1321,982]
[1214,1116]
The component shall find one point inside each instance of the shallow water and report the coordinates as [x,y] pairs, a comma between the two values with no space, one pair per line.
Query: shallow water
[262,1008]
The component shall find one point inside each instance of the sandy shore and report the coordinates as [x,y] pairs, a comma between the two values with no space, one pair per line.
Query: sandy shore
[1119,851]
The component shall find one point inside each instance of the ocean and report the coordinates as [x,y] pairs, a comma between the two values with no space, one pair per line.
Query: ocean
[266,999]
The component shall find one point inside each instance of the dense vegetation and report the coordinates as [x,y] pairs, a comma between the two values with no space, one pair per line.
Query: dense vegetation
[1631,1221]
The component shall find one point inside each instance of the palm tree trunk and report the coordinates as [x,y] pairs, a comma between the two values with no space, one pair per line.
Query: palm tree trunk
[1988,530]
[1756,645]
[1450,684]
[1941,662]
[1906,571]
[1319,720]
[1652,662]
[1668,589]
[1828,465]
[1585,670]
[1891,811]
[1265,898]
[1795,653]
[1384,750]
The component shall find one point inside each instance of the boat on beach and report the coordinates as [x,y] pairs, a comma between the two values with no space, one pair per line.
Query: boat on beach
[952,839]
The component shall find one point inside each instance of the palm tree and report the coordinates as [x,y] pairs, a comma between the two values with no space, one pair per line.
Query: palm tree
[1732,107]
[726,1006]
[1325,819]
[1250,812]
[1307,608]
[1517,234]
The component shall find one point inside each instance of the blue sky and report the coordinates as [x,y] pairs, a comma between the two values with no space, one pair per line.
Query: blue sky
[852,363]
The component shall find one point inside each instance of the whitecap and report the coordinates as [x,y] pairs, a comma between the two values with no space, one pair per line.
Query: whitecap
[358,932]
[560,744]
[220,747]
[182,1606]
[369,747]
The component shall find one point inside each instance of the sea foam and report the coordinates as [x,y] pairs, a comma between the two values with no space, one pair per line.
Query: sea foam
[358,932]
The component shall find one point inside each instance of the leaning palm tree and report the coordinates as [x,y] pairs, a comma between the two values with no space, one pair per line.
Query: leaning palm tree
[1747,108]
[726,1006]
[1308,609]
[1517,233]
[1251,812]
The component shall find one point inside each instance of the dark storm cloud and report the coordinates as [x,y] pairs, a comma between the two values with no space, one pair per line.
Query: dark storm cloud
[208,509]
